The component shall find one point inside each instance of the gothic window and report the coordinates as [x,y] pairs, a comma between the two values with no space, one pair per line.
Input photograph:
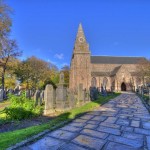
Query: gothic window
[93,82]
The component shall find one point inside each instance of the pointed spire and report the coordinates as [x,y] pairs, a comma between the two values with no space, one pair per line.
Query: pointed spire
[80,32]
[80,29]
[80,44]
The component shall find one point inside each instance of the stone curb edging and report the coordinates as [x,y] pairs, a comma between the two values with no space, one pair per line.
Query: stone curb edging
[36,136]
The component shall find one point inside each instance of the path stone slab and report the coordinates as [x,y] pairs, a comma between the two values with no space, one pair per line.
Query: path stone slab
[72,146]
[123,122]
[91,126]
[87,117]
[111,119]
[94,133]
[93,122]
[61,134]
[89,142]
[126,141]
[107,124]
[108,130]
[117,146]
[142,131]
[46,143]
[71,128]
[148,142]
[125,128]
[99,118]
[146,125]
[133,136]
[77,124]
[135,123]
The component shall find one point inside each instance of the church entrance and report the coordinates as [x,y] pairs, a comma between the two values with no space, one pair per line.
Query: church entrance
[123,87]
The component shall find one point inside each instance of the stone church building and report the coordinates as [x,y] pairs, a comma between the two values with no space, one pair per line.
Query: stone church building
[111,72]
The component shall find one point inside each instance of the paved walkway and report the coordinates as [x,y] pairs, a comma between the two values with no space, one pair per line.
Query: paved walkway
[121,124]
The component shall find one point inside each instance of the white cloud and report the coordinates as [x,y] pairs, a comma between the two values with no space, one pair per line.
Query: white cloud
[59,56]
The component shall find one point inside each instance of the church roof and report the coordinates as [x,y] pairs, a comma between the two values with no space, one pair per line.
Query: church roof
[115,60]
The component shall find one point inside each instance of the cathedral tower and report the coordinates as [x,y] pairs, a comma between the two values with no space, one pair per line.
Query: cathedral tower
[80,71]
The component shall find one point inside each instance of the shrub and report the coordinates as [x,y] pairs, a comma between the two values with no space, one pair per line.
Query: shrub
[22,108]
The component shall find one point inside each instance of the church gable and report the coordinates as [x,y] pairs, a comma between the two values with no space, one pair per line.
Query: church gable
[122,71]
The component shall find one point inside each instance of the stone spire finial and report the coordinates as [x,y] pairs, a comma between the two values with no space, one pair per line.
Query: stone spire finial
[80,28]
[80,31]
[80,43]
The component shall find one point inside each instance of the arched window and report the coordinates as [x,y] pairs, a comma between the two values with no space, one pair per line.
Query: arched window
[93,82]
[105,81]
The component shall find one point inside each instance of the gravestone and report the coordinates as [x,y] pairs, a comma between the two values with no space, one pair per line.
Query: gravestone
[49,98]
[87,96]
[71,99]
[37,97]
[1,95]
[80,93]
[93,93]
[41,97]
[4,94]
[61,98]
[61,94]
[28,94]
[83,95]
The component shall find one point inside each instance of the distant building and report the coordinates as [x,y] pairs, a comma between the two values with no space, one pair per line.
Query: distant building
[110,72]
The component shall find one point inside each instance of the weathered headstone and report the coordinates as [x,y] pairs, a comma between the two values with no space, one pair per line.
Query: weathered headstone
[61,98]
[71,98]
[28,94]
[87,95]
[41,97]
[37,97]
[1,95]
[4,94]
[80,93]
[61,94]
[49,98]
[93,93]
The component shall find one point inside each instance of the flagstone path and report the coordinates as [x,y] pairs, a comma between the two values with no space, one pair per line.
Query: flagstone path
[121,124]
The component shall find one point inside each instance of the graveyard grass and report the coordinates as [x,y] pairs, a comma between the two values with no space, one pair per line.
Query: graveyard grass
[11,138]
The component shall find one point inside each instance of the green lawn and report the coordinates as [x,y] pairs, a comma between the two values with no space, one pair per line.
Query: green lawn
[11,138]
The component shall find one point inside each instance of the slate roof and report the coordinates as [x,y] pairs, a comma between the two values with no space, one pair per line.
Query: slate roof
[115,60]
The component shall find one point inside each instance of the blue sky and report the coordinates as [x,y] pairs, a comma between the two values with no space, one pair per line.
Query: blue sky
[47,28]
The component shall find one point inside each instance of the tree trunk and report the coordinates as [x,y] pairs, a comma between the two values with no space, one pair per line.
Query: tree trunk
[3,80]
